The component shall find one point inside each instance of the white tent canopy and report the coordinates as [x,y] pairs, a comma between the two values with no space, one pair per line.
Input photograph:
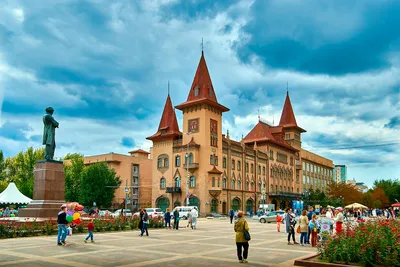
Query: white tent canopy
[11,195]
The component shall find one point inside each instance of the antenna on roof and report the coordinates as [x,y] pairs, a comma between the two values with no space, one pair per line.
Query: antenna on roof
[202,46]
[168,87]
[258,114]
[287,87]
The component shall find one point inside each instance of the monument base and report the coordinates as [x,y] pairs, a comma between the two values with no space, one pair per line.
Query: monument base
[48,190]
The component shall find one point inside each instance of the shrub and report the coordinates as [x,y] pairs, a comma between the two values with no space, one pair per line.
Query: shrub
[371,243]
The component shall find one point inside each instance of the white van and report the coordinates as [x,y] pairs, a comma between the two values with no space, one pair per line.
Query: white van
[183,211]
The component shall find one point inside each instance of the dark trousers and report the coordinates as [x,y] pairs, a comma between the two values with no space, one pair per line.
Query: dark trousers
[231,219]
[291,233]
[168,223]
[176,224]
[308,235]
[303,238]
[245,246]
[144,228]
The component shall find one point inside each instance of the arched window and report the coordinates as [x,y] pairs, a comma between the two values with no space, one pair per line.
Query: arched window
[159,163]
[224,183]
[214,205]
[263,170]
[163,183]
[239,185]
[236,204]
[259,186]
[238,165]
[233,184]
[224,163]
[166,163]
[178,161]
[192,181]
[213,182]
[178,182]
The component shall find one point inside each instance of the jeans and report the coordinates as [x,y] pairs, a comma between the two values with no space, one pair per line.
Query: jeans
[176,223]
[303,238]
[168,223]
[90,236]
[144,228]
[291,233]
[245,246]
[62,233]
[231,219]
[308,235]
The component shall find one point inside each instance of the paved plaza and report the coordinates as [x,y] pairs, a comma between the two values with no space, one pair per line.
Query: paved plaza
[212,244]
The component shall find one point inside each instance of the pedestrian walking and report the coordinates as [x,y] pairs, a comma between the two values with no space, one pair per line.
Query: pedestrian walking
[303,223]
[145,222]
[339,220]
[189,217]
[240,227]
[167,219]
[176,219]
[309,216]
[314,226]
[278,222]
[290,224]
[231,214]
[194,214]
[62,226]
[90,228]
[141,213]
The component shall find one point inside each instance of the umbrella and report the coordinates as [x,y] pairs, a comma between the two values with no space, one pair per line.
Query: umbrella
[356,206]
[396,205]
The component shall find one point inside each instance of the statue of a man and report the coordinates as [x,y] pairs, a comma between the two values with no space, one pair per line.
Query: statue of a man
[49,133]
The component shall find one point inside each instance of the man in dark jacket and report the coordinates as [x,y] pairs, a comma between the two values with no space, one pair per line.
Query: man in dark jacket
[231,214]
[62,225]
[141,214]
[176,219]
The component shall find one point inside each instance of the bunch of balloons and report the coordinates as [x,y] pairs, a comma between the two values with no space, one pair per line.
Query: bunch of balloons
[74,212]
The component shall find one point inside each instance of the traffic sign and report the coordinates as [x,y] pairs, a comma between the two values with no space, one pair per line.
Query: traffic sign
[127,190]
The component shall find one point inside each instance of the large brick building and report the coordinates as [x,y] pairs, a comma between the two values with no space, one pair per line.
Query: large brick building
[221,173]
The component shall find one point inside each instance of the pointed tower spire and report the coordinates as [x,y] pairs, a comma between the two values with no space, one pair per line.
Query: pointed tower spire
[287,118]
[202,90]
[168,127]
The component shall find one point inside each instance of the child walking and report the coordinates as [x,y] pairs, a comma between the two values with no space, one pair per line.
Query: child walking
[278,222]
[90,228]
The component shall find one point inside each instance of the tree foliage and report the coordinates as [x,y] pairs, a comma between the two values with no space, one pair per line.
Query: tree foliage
[19,169]
[73,172]
[98,183]
[390,187]
[343,192]
[380,199]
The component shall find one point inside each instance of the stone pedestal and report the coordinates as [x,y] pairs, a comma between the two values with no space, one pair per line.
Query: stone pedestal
[48,190]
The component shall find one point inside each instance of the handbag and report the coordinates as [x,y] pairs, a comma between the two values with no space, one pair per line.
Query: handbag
[298,229]
[246,233]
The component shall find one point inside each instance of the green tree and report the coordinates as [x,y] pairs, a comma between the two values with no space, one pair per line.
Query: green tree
[73,172]
[2,166]
[390,187]
[20,169]
[98,184]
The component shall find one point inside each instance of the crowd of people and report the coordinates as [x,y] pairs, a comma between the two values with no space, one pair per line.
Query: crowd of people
[8,212]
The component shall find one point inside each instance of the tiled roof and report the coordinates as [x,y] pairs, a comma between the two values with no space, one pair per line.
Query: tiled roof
[202,89]
[215,171]
[168,126]
[139,151]
[287,118]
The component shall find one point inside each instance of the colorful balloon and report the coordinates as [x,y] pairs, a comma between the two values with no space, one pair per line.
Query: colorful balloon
[69,218]
[12,215]
[71,212]
[79,208]
[76,215]
[78,221]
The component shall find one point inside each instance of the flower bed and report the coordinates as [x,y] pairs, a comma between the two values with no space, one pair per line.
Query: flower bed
[13,229]
[373,243]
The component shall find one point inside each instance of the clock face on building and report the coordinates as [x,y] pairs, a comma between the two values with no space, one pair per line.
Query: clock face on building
[193,125]
[213,126]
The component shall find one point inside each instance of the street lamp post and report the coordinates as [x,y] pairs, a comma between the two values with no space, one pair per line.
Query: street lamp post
[187,171]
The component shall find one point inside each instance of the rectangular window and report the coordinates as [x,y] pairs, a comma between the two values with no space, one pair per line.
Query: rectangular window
[233,164]
[247,167]
[211,160]
[251,168]
[291,161]
[271,155]
[259,169]
[178,161]
[224,163]
[281,157]
[159,163]
[263,170]
[216,160]
[304,166]
[238,165]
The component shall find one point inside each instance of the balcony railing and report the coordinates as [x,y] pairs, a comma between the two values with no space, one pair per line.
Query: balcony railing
[191,165]
[173,190]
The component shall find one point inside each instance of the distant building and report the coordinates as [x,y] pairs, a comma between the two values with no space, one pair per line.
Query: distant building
[360,186]
[340,173]
[135,172]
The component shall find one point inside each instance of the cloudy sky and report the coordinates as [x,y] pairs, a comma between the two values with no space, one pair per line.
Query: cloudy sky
[104,66]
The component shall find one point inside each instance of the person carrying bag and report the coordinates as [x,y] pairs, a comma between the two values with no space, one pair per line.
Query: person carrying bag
[242,237]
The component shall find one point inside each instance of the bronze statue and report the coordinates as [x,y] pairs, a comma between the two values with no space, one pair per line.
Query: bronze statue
[49,133]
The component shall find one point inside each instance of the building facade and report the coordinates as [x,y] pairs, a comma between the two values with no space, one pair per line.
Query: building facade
[210,170]
[135,172]
[340,173]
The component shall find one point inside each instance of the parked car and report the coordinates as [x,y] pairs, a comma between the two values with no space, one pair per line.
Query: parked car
[126,212]
[105,213]
[152,212]
[271,217]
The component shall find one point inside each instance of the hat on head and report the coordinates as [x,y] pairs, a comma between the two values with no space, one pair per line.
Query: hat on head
[63,205]
[339,209]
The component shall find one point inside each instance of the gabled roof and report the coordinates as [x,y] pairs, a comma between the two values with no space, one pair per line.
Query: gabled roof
[202,90]
[139,151]
[168,126]
[214,170]
[288,120]
[263,132]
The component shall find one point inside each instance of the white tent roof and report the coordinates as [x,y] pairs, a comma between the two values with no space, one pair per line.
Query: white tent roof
[11,195]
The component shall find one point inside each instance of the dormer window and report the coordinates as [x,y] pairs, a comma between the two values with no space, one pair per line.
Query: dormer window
[210,91]
[196,91]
